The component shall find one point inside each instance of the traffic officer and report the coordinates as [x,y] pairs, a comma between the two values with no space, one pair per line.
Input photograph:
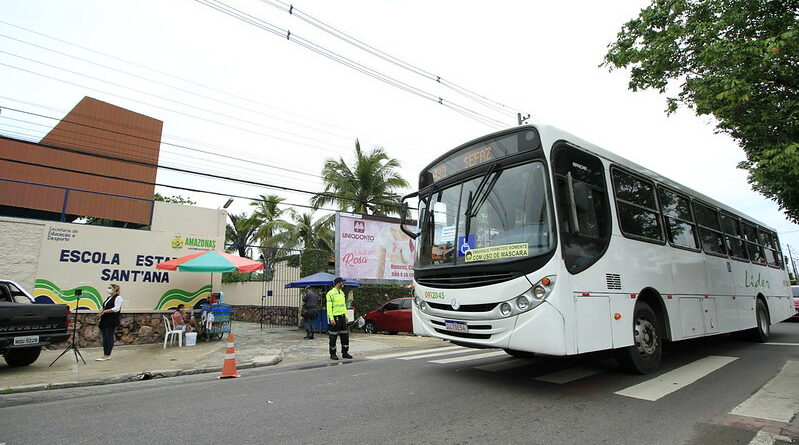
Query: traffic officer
[337,319]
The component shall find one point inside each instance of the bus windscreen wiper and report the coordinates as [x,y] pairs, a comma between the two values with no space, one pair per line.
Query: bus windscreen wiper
[480,194]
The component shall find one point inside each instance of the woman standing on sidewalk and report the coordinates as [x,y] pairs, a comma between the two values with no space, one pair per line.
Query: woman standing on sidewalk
[109,320]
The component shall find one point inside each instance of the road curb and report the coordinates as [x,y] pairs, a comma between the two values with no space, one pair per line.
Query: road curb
[257,362]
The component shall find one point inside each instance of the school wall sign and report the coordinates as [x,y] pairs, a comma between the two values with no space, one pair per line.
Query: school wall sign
[91,257]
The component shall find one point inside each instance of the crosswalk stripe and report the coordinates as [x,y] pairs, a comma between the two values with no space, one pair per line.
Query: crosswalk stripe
[421,351]
[667,383]
[780,344]
[468,357]
[437,354]
[508,364]
[571,374]
[777,400]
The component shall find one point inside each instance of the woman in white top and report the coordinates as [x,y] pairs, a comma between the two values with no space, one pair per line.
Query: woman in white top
[109,320]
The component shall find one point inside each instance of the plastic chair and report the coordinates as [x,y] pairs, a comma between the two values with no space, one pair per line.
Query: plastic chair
[170,332]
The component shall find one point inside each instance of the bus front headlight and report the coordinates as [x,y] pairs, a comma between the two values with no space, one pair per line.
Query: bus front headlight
[529,299]
[420,303]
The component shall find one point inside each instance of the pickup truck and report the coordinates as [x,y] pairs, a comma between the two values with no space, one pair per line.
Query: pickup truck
[26,327]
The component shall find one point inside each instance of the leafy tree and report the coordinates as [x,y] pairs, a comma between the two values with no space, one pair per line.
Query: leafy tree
[737,60]
[309,234]
[369,187]
[177,199]
[240,232]
[268,216]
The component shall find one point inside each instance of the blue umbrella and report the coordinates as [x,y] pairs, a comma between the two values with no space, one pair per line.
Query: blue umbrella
[319,279]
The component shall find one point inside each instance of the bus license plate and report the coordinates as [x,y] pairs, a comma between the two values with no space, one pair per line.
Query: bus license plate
[27,340]
[457,326]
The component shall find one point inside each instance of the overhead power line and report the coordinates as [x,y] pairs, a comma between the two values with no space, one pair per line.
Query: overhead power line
[143,138]
[341,35]
[332,55]
[36,138]
[197,84]
[198,173]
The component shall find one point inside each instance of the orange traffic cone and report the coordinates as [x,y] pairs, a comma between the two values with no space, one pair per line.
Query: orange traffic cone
[229,368]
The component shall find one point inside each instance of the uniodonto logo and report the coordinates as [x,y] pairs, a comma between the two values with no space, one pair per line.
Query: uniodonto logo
[358,226]
[432,295]
[177,243]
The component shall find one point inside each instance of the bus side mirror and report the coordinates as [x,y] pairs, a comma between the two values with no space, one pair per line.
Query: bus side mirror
[404,212]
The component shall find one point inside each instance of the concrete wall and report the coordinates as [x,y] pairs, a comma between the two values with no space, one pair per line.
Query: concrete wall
[179,218]
[20,241]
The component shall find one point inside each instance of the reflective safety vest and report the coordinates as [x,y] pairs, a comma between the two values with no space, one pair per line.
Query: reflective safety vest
[336,302]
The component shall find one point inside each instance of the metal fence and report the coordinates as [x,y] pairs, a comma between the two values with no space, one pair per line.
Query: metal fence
[279,307]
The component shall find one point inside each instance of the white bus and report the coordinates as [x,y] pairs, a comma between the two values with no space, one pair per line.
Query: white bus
[535,241]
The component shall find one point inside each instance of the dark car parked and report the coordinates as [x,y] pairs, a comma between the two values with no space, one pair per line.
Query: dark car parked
[393,317]
[26,327]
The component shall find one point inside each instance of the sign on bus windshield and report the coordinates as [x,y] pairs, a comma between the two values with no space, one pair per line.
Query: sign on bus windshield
[481,153]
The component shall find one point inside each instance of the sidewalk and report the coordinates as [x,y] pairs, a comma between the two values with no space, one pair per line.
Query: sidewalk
[139,362]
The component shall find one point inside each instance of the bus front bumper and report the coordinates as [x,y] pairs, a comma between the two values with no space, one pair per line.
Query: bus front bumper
[541,330]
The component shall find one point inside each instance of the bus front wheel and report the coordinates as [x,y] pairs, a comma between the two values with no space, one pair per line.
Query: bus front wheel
[643,357]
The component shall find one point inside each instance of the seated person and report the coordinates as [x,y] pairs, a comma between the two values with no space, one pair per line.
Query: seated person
[183,322]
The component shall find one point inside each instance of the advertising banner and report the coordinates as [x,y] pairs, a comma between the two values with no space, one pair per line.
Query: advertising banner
[90,258]
[373,249]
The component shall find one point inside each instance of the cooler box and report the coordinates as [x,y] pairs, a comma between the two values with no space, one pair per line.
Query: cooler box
[191,338]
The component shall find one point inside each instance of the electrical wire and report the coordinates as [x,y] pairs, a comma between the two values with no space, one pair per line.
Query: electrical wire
[293,11]
[259,23]
[250,161]
[208,175]
[241,170]
[189,81]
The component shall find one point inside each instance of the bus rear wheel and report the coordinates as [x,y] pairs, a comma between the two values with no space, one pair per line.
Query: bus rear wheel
[643,357]
[762,331]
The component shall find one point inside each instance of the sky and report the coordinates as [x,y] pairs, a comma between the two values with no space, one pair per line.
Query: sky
[277,109]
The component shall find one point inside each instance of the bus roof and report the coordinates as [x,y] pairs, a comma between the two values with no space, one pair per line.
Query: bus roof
[551,134]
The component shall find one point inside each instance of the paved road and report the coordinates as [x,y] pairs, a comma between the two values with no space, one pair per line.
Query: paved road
[709,391]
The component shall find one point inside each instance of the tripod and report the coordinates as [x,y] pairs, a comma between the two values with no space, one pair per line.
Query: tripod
[72,346]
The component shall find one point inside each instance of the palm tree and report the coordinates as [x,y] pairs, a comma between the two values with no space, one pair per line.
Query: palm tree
[240,233]
[309,234]
[269,223]
[368,188]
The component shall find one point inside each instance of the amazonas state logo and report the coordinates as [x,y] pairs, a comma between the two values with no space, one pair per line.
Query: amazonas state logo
[177,243]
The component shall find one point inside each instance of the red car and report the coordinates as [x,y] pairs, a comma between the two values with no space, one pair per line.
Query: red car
[394,316]
[795,291]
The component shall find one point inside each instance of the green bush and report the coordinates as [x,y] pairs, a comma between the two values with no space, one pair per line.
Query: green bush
[312,261]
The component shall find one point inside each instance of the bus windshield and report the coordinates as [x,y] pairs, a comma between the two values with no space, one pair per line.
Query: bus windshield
[503,215]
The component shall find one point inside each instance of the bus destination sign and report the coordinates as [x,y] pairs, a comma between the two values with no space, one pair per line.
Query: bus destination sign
[481,153]
[469,159]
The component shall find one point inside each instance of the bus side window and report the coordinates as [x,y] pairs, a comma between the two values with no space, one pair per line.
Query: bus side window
[733,235]
[679,221]
[753,247]
[710,229]
[583,208]
[767,241]
[639,216]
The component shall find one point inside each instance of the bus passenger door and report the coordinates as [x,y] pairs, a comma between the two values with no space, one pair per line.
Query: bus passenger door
[593,323]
